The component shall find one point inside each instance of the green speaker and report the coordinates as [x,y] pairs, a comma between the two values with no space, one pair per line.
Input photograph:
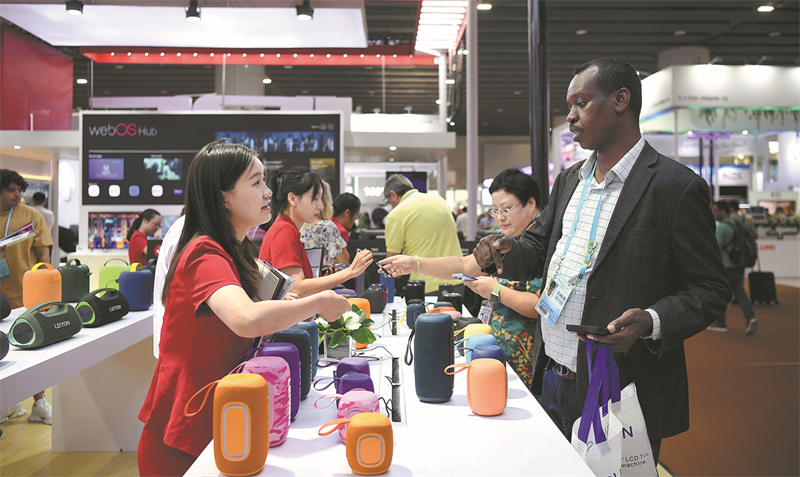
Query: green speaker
[74,280]
[44,325]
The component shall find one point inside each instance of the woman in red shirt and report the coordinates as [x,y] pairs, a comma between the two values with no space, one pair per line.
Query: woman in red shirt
[209,317]
[298,200]
[145,225]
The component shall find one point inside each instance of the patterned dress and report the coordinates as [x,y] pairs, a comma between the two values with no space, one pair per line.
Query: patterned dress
[325,235]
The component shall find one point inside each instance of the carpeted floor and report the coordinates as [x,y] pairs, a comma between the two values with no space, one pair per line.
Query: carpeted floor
[744,397]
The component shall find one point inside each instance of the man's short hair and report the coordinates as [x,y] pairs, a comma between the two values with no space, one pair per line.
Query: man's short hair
[614,74]
[723,206]
[39,198]
[398,183]
[8,177]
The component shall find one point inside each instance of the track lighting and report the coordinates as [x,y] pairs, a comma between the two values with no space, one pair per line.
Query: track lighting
[193,12]
[74,7]
[304,11]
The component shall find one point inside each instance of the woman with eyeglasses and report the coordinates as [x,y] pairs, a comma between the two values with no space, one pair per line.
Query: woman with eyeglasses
[514,293]
[145,225]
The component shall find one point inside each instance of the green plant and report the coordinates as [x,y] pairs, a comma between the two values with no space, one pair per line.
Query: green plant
[353,323]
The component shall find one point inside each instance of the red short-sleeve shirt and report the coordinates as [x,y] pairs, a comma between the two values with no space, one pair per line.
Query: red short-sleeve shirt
[282,247]
[343,231]
[136,246]
[196,348]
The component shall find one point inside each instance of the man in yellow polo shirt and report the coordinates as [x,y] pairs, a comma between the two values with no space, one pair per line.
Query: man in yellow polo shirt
[419,224]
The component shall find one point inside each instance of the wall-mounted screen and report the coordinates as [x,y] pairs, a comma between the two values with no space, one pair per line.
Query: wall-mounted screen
[140,158]
[109,230]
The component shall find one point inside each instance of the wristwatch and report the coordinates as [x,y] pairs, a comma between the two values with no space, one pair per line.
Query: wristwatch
[495,296]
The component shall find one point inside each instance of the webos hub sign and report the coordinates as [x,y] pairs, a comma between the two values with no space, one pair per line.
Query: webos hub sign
[144,157]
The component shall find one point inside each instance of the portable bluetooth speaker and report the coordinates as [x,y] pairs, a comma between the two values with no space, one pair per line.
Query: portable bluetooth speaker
[487,385]
[448,288]
[389,282]
[376,296]
[43,325]
[443,304]
[351,403]
[439,308]
[369,442]
[109,273]
[461,324]
[241,424]
[137,286]
[433,347]
[351,365]
[475,340]
[362,304]
[477,328]
[454,298]
[275,372]
[300,339]
[74,280]
[351,381]
[40,286]
[412,312]
[5,307]
[310,327]
[102,306]
[346,292]
[487,350]
[3,345]
[414,289]
[289,353]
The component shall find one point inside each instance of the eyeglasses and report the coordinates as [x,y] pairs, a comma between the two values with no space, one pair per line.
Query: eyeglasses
[503,212]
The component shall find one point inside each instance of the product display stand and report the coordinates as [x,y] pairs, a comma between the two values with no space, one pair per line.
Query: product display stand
[429,439]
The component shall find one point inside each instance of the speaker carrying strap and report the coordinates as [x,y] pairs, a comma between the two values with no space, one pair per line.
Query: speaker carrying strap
[457,368]
[207,388]
[336,423]
[111,260]
[332,397]
[325,362]
[410,354]
[321,380]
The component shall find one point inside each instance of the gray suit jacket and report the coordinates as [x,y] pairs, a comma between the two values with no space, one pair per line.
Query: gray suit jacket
[659,252]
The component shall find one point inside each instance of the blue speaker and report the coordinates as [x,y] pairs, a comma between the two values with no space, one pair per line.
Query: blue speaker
[433,349]
[137,286]
[412,312]
[475,340]
[488,351]
[389,282]
[302,341]
[313,333]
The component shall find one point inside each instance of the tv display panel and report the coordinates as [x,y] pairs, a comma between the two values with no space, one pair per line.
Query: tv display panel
[106,169]
[109,230]
[163,169]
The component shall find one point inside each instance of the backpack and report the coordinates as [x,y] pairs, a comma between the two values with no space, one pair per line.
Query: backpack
[742,249]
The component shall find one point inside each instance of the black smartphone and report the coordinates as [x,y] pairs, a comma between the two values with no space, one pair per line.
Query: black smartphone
[589,330]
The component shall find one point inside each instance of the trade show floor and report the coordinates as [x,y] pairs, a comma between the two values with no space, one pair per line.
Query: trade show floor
[745,401]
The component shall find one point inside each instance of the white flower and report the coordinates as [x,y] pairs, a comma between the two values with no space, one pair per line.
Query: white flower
[320,321]
[351,320]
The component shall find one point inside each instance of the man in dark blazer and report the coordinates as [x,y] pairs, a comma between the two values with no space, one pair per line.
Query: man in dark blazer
[657,278]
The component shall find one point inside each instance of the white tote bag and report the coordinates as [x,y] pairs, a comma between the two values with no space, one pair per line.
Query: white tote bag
[637,456]
[597,437]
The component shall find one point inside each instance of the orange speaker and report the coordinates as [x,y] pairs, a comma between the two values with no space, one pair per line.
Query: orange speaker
[369,442]
[241,424]
[40,286]
[487,385]
[362,304]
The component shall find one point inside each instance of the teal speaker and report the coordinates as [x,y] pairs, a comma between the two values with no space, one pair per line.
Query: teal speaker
[44,324]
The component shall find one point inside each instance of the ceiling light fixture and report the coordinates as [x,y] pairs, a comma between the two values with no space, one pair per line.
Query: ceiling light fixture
[267,81]
[581,32]
[74,7]
[193,12]
[484,6]
[392,148]
[449,81]
[304,11]
[766,8]
[17,147]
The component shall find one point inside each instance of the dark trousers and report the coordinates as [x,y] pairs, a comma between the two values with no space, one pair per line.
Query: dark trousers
[736,282]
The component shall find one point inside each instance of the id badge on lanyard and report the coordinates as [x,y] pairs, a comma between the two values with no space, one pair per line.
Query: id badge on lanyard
[4,271]
[554,297]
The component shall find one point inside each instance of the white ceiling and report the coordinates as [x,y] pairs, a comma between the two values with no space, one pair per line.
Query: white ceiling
[156,26]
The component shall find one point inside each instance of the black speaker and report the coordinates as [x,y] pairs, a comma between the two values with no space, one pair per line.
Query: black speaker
[3,345]
[302,342]
[414,289]
[44,324]
[102,306]
[454,298]
[311,328]
[376,297]
[412,312]
[433,347]
[448,287]
[5,307]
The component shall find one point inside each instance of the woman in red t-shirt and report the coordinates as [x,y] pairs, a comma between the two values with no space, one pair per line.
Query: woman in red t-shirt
[209,317]
[145,225]
[298,199]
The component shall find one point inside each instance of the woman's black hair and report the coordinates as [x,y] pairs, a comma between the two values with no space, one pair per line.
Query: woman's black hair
[215,169]
[521,186]
[148,214]
[346,201]
[297,180]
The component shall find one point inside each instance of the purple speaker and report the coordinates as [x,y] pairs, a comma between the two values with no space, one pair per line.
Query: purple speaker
[346,292]
[288,352]
[352,381]
[351,365]
[488,351]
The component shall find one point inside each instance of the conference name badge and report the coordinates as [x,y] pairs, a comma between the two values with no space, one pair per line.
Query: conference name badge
[554,297]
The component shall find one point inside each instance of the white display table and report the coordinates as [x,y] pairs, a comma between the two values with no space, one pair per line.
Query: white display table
[99,377]
[781,257]
[95,259]
[432,439]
